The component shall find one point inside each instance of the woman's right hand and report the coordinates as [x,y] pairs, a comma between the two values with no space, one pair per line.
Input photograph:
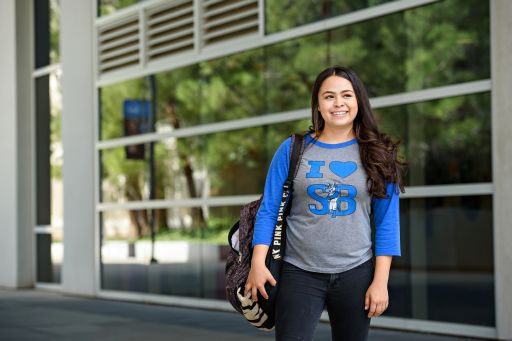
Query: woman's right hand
[259,274]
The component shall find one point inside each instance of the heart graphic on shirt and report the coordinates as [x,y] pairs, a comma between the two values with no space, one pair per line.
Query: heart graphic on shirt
[342,169]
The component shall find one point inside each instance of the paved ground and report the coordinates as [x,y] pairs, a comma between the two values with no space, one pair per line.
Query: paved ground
[38,315]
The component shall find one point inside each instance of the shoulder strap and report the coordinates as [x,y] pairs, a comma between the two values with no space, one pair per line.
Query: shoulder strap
[297,148]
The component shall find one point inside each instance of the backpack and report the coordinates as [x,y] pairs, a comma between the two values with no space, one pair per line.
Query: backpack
[261,313]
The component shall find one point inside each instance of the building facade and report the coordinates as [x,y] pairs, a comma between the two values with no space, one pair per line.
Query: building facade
[135,130]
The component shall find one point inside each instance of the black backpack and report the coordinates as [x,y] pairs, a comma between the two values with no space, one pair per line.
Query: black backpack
[261,313]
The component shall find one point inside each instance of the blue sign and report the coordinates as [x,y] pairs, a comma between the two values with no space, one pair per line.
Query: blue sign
[138,119]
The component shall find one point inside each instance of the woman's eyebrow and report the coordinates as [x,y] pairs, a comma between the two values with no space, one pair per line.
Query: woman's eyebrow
[333,92]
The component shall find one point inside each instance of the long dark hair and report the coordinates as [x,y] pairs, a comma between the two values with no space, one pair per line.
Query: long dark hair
[379,153]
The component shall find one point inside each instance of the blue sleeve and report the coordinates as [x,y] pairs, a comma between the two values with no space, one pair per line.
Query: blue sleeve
[267,214]
[386,213]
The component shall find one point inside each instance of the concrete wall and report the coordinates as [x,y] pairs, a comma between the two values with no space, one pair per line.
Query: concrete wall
[501,73]
[78,273]
[16,138]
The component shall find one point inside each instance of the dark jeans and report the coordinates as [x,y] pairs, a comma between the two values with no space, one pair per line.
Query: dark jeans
[303,295]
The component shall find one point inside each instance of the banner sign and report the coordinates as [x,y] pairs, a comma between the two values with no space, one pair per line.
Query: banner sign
[137,120]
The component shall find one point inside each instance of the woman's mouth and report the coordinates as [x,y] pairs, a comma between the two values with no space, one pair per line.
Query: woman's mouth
[339,113]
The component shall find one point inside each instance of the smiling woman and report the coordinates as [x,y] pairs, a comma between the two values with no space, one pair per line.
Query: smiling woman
[348,170]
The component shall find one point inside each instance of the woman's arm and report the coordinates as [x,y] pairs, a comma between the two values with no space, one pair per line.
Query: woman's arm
[387,244]
[266,220]
[259,274]
[377,299]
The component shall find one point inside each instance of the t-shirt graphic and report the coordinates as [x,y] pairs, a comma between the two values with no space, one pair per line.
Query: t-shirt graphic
[336,199]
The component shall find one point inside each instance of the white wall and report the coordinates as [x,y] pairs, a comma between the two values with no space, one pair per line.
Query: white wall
[16,197]
[78,272]
[501,73]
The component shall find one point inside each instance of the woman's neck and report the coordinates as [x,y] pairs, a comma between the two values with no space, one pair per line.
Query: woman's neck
[333,137]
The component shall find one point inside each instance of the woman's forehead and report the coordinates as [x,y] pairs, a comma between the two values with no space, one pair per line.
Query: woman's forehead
[336,84]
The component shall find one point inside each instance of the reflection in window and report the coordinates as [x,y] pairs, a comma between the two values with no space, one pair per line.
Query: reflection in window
[282,15]
[232,87]
[227,163]
[445,141]
[182,258]
[291,69]
[46,31]
[420,48]
[440,276]
[112,104]
[49,190]
[179,100]
[392,54]
[443,43]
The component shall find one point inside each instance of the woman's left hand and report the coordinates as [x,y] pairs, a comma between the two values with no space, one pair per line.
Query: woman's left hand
[376,299]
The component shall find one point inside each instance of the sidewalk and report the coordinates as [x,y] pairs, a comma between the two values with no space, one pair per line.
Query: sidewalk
[39,315]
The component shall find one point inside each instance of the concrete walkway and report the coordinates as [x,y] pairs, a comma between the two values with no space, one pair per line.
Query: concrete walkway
[39,315]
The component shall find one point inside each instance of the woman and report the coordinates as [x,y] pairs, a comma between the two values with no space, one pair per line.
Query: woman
[348,171]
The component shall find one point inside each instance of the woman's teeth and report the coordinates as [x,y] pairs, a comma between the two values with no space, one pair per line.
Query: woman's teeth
[339,113]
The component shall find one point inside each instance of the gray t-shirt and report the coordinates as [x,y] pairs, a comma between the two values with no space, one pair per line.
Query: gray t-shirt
[329,222]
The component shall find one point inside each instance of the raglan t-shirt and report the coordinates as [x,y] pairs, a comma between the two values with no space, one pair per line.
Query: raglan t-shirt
[328,228]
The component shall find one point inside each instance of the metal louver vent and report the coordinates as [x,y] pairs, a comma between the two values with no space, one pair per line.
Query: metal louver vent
[118,45]
[227,19]
[170,29]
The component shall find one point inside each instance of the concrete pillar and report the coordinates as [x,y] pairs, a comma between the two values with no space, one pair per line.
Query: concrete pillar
[501,74]
[77,22]
[16,184]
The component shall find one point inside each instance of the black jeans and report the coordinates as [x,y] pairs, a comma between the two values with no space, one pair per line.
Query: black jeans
[303,295]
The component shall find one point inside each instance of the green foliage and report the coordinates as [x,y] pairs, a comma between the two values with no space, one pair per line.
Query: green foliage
[215,232]
[54,31]
[110,6]
[285,14]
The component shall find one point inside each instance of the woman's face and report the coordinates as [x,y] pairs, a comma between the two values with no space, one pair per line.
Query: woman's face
[337,103]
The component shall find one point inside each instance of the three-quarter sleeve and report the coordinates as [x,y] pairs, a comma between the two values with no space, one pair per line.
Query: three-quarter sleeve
[267,214]
[386,213]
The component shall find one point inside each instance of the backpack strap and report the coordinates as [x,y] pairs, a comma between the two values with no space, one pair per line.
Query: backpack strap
[297,148]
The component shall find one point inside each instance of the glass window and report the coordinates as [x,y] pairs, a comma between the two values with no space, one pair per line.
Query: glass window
[227,163]
[49,191]
[232,86]
[392,54]
[445,141]
[47,22]
[218,90]
[443,43]
[446,271]
[116,119]
[282,15]
[183,258]
[291,69]
[412,50]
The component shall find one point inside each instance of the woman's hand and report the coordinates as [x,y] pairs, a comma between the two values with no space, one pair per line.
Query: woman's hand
[376,300]
[259,274]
